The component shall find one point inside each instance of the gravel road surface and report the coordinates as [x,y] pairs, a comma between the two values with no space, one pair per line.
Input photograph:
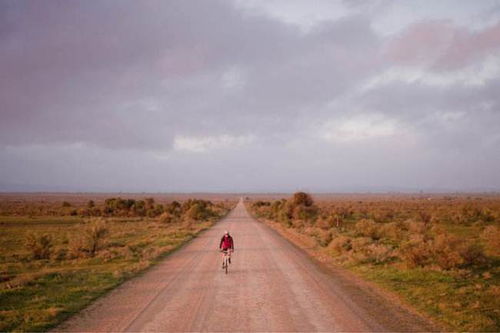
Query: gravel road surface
[272,286]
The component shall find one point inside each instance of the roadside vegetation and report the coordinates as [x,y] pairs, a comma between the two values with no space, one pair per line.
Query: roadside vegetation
[54,262]
[440,253]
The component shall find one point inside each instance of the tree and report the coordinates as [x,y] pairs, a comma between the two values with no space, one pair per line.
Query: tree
[302,198]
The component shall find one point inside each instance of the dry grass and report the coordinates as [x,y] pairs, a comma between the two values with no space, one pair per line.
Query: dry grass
[440,253]
[51,267]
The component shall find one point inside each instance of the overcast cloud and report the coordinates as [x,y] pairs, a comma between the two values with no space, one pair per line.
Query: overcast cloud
[249,95]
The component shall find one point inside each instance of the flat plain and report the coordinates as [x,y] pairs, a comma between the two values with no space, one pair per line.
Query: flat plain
[321,262]
[59,252]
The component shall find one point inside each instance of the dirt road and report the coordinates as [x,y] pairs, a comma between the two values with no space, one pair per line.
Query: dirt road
[271,286]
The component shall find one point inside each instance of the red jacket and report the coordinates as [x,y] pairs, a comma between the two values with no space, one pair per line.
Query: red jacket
[226,243]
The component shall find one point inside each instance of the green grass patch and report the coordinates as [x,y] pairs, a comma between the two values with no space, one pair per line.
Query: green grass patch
[51,298]
[36,295]
[464,301]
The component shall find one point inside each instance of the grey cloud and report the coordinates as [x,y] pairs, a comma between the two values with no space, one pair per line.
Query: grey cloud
[69,67]
[88,59]
[111,85]
[455,117]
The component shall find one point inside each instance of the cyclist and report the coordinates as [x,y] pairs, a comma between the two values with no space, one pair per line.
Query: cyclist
[226,245]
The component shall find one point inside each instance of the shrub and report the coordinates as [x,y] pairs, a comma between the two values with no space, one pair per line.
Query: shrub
[402,225]
[359,244]
[491,238]
[197,212]
[40,246]
[149,203]
[487,215]
[89,242]
[78,247]
[340,244]
[425,217]
[174,208]
[137,208]
[285,219]
[302,198]
[167,218]
[343,212]
[95,233]
[472,253]
[379,253]
[297,223]
[325,223]
[367,228]
[416,252]
[60,254]
[365,251]
[195,209]
[323,237]
[306,213]
[418,228]
[446,251]
[156,211]
[391,231]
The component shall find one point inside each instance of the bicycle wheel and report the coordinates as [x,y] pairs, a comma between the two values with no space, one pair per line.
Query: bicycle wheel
[226,264]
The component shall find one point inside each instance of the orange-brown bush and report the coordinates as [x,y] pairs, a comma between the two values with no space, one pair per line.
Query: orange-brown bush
[340,244]
[446,251]
[416,252]
[417,230]
[472,253]
[306,213]
[40,246]
[359,244]
[392,231]
[367,228]
[297,223]
[450,245]
[425,217]
[323,237]
[78,247]
[299,207]
[491,238]
[379,253]
[90,240]
[325,223]
[167,218]
[95,233]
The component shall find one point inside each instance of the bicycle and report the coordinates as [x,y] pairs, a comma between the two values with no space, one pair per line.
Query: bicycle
[226,260]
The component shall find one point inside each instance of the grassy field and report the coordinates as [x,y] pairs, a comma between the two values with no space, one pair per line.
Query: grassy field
[438,253]
[53,266]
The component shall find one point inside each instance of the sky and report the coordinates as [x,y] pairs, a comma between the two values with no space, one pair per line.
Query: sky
[249,95]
